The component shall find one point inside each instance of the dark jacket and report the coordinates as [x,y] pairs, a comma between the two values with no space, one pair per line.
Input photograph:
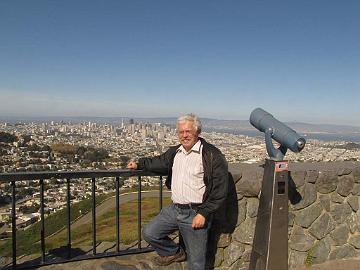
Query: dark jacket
[215,174]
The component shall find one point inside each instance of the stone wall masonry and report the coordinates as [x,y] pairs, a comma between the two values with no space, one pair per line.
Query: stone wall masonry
[323,225]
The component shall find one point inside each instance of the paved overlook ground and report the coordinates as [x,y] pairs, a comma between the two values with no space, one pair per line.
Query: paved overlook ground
[144,262]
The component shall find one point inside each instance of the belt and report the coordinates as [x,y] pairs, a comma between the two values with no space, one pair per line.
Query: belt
[187,205]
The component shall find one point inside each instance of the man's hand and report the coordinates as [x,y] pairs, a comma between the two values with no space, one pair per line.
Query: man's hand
[132,165]
[198,222]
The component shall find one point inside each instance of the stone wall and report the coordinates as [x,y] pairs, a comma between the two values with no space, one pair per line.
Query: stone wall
[323,225]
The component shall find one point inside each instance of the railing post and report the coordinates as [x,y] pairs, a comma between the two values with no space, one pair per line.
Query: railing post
[42,230]
[117,215]
[161,192]
[13,219]
[93,215]
[68,207]
[139,212]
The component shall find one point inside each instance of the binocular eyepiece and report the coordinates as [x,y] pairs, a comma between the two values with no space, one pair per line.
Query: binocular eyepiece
[274,129]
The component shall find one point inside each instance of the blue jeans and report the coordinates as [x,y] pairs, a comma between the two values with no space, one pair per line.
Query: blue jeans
[171,219]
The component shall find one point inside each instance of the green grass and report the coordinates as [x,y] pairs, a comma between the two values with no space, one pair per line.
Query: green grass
[28,241]
[106,225]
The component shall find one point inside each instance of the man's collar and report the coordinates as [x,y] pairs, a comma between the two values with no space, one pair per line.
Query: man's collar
[196,148]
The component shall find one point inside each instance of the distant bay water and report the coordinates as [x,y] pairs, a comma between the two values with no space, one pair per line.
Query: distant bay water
[312,136]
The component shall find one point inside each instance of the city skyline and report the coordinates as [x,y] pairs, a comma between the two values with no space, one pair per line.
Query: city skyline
[299,61]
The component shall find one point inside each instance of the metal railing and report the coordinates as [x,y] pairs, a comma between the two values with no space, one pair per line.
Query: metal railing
[13,178]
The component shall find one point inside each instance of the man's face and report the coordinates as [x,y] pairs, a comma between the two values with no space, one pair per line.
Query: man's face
[187,133]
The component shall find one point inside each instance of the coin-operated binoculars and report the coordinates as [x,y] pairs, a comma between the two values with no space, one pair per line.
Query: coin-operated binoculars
[270,245]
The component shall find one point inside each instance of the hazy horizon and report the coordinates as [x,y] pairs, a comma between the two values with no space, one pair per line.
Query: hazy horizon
[62,117]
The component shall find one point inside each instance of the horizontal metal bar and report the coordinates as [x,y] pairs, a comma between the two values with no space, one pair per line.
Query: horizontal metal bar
[22,176]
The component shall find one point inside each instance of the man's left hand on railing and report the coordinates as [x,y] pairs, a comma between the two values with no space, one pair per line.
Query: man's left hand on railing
[132,165]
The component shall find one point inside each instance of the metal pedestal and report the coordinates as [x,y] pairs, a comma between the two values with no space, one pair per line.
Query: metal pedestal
[270,246]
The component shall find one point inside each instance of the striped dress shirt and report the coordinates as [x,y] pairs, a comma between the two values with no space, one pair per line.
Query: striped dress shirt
[187,183]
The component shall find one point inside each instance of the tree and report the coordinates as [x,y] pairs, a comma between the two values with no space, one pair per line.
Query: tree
[7,137]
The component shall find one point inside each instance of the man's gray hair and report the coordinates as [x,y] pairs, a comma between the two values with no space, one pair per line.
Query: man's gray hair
[192,118]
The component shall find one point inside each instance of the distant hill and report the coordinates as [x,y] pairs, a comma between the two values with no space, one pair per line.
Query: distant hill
[244,125]
[325,128]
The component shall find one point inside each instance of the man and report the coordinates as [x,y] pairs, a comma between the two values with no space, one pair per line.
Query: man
[198,177]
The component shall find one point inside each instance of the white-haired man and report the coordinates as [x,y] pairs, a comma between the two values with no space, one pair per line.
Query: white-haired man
[197,175]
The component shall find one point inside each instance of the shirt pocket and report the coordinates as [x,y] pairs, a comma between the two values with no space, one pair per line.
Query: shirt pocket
[198,171]
[198,176]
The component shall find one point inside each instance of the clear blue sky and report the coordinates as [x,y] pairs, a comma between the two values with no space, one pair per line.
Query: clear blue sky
[299,60]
